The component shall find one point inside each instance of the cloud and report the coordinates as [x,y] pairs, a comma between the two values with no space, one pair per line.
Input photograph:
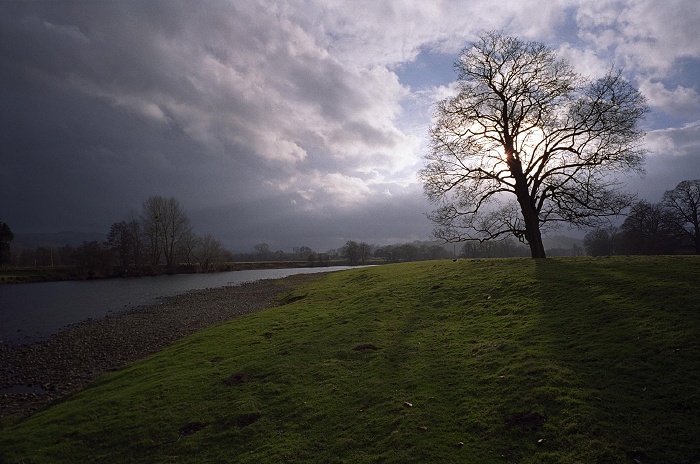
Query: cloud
[674,155]
[279,112]
[681,101]
[644,34]
[584,61]
[385,220]
[674,142]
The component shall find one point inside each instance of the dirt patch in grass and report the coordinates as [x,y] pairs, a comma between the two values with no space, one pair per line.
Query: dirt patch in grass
[365,347]
[244,420]
[526,420]
[192,428]
[238,379]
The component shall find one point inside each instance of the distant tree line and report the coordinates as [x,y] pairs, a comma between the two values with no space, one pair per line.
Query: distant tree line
[668,227]
[157,239]
[262,252]
[494,249]
[162,235]
[411,252]
[352,253]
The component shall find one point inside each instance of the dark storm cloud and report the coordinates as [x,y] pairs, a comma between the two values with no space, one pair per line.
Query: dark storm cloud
[107,103]
[385,220]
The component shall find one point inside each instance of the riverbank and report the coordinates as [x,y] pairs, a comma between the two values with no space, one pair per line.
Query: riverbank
[64,273]
[31,376]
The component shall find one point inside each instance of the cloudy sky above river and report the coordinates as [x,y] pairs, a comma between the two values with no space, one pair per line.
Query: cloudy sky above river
[290,122]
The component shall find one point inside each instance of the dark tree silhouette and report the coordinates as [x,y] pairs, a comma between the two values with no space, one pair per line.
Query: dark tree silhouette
[649,229]
[208,251]
[93,259]
[121,240]
[528,143]
[684,204]
[166,225]
[600,242]
[351,252]
[6,236]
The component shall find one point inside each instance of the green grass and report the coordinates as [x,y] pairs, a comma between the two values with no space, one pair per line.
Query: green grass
[487,361]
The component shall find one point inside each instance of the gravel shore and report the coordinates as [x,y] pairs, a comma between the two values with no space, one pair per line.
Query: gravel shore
[31,376]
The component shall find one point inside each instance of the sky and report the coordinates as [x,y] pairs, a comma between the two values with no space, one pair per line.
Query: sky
[291,122]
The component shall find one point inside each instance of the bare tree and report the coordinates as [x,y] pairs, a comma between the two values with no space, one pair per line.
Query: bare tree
[152,212]
[599,242]
[649,229]
[188,247]
[684,203]
[303,253]
[364,252]
[263,251]
[208,251]
[6,236]
[351,252]
[137,232]
[120,240]
[527,143]
[165,224]
[93,260]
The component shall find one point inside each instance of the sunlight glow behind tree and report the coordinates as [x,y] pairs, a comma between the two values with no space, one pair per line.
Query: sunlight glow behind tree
[528,143]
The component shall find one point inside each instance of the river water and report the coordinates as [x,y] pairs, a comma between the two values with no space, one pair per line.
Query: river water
[32,312]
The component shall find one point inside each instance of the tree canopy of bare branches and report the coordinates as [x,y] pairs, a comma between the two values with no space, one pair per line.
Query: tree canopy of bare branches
[6,236]
[166,225]
[684,203]
[528,143]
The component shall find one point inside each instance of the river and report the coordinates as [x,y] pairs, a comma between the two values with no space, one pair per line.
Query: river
[33,312]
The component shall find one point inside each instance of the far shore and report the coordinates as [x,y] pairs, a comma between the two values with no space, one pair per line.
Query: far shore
[63,273]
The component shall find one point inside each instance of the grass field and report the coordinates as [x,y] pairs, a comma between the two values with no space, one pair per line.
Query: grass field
[592,360]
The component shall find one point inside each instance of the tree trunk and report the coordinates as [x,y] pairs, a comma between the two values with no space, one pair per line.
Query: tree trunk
[532,232]
[527,207]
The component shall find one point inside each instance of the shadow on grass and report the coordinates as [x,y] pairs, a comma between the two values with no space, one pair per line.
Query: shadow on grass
[626,336]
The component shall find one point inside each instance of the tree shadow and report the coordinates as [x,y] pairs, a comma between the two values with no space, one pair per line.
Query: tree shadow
[624,338]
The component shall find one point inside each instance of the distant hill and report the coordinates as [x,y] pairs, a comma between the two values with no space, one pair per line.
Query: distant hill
[56,239]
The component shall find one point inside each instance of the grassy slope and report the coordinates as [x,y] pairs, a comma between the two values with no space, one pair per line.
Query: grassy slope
[563,360]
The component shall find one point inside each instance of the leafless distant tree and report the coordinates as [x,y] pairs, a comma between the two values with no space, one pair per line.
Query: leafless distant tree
[351,252]
[6,236]
[649,229]
[120,240]
[188,247]
[527,143]
[684,203]
[263,251]
[364,252]
[137,231]
[600,242]
[208,251]
[165,224]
